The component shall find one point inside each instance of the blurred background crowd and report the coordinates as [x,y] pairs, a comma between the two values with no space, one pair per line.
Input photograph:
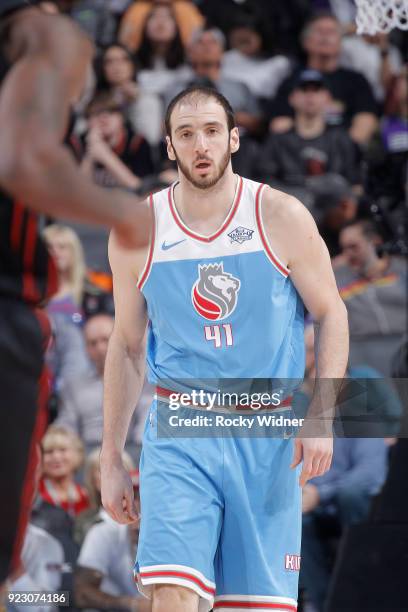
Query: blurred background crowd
[322,114]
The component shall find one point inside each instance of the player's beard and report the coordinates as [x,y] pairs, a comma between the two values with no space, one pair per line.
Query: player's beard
[206,182]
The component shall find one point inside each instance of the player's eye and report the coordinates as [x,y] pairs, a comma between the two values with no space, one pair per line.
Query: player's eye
[212,131]
[185,135]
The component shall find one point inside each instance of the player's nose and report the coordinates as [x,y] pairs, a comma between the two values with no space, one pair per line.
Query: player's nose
[201,143]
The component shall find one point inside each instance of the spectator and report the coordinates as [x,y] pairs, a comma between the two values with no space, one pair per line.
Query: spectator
[247,62]
[342,496]
[186,15]
[374,290]
[344,11]
[92,478]
[161,52]
[67,357]
[352,103]
[110,150]
[104,578]
[387,155]
[62,456]
[281,22]
[374,57]
[335,203]
[310,148]
[82,397]
[336,500]
[40,571]
[97,19]
[60,525]
[118,76]
[367,405]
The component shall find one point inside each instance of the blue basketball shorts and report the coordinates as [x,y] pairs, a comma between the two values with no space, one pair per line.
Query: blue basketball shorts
[222,517]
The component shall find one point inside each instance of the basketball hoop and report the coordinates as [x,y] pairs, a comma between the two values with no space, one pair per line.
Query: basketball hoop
[375,16]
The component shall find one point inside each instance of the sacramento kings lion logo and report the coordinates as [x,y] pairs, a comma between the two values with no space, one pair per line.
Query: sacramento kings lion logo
[214,294]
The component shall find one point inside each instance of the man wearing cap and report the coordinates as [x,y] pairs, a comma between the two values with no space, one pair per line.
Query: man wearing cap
[351,103]
[310,149]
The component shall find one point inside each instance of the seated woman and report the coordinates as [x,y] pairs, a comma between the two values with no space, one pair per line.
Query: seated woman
[66,356]
[117,75]
[161,57]
[62,456]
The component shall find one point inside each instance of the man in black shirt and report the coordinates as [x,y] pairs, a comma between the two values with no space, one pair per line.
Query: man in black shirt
[352,102]
[110,151]
[44,61]
[310,149]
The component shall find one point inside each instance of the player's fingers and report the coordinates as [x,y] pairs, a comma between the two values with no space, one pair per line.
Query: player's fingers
[307,468]
[327,463]
[319,461]
[297,454]
[129,505]
[115,510]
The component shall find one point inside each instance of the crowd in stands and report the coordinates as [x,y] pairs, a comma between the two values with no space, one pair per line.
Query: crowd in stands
[322,114]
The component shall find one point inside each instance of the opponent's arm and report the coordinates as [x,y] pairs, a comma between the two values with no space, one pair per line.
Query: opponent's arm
[293,229]
[35,103]
[123,378]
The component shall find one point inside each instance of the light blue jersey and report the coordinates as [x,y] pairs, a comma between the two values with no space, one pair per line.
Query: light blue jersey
[221,306]
[221,515]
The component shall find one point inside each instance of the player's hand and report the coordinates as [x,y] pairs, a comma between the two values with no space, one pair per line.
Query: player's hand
[117,491]
[316,454]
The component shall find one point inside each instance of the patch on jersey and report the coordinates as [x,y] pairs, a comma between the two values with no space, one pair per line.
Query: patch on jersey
[214,294]
[292,562]
[240,234]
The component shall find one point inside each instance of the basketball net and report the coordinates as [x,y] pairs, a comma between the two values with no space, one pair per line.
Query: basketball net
[375,16]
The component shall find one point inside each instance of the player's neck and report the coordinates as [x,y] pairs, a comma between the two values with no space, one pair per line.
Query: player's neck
[204,210]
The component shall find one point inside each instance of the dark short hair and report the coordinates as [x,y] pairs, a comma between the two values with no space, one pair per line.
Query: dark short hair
[313,19]
[103,102]
[368,227]
[197,92]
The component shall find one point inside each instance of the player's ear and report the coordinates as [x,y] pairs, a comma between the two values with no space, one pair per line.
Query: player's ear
[170,150]
[234,140]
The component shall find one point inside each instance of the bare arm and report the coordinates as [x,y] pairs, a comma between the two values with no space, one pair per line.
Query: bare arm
[307,258]
[363,127]
[35,102]
[121,172]
[124,377]
[99,151]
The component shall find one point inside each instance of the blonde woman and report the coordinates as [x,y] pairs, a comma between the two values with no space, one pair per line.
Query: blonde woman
[62,456]
[68,254]
[67,357]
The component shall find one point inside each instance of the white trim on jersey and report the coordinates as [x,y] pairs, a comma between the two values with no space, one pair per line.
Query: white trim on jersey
[181,575]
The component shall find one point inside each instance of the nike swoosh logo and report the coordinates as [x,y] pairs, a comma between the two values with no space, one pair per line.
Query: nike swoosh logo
[166,247]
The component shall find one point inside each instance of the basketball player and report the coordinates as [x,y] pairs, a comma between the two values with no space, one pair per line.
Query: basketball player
[221,517]
[44,62]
